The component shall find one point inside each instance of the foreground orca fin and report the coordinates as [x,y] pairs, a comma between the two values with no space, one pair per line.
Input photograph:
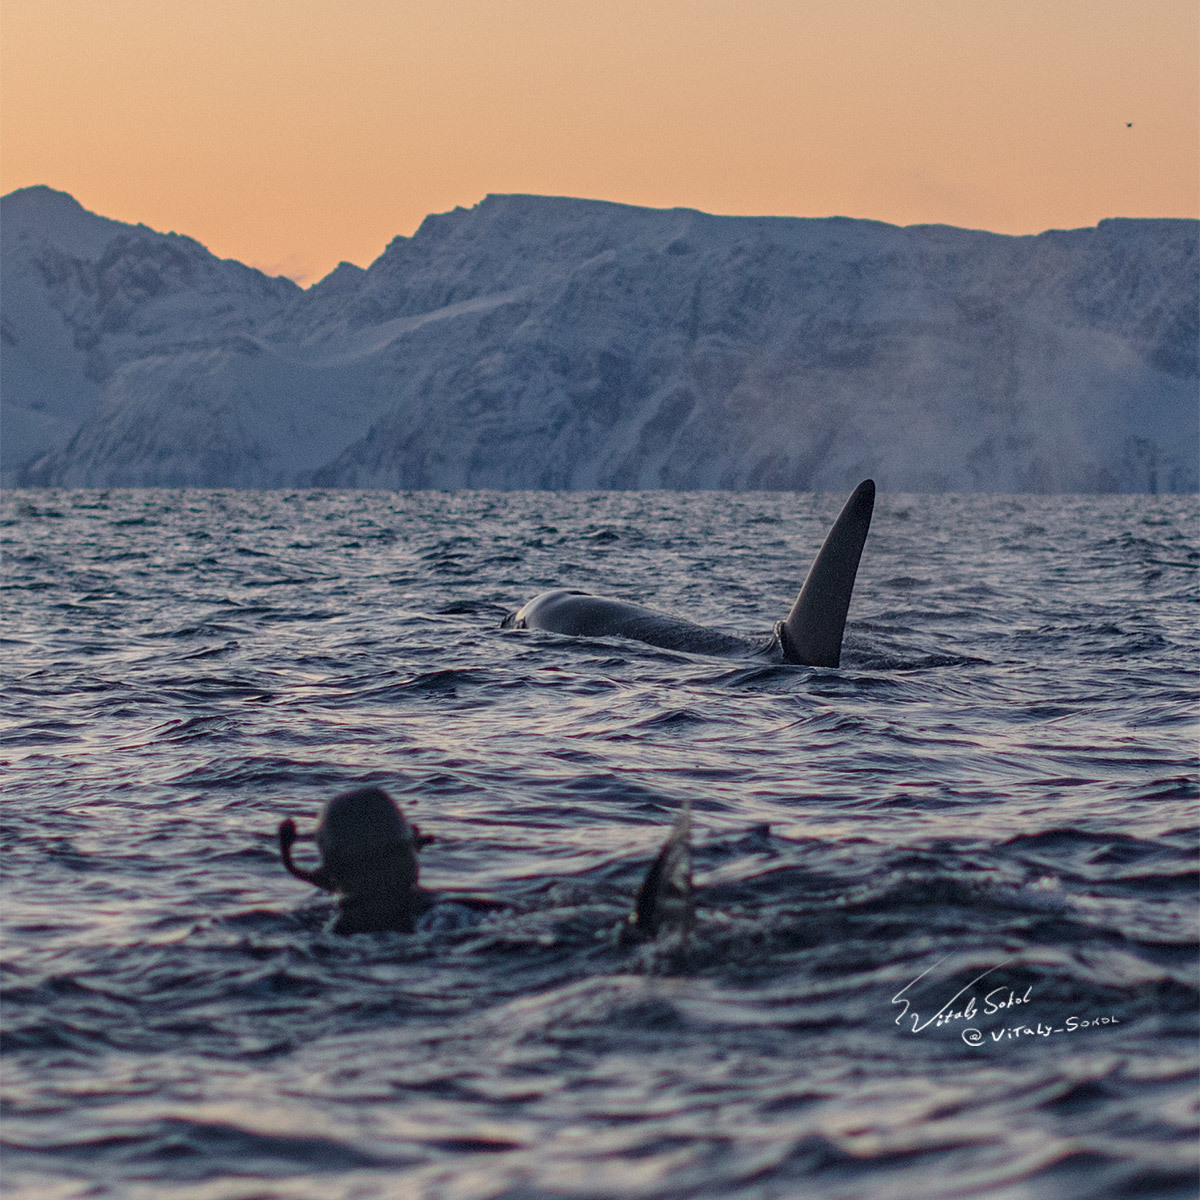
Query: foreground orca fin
[812,633]
[664,901]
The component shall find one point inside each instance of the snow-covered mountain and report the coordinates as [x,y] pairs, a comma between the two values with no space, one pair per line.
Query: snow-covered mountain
[533,342]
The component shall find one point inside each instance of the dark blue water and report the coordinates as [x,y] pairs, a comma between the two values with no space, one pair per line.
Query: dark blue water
[1001,781]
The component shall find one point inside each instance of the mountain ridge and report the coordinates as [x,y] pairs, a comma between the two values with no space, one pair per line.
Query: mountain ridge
[535,342]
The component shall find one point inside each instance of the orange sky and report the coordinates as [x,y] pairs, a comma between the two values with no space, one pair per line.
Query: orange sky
[292,134]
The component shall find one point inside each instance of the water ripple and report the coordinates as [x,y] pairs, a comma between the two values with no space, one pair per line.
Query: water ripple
[999,783]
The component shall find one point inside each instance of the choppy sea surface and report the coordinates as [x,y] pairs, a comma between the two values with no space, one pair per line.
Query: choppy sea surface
[946,939]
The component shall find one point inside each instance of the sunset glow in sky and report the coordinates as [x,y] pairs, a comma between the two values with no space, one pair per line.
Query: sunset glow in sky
[292,134]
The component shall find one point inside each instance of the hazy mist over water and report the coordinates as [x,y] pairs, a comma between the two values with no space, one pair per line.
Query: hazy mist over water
[999,782]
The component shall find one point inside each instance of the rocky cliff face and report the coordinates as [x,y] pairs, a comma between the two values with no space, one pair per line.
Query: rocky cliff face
[534,342]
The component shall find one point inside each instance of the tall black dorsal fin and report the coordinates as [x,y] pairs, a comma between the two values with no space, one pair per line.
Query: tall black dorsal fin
[812,633]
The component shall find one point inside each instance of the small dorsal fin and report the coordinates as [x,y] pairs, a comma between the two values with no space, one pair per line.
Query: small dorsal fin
[812,633]
[664,901]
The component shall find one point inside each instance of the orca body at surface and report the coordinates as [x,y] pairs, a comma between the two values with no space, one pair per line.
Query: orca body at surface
[810,635]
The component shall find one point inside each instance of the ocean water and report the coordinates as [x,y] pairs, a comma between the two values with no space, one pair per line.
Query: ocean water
[946,937]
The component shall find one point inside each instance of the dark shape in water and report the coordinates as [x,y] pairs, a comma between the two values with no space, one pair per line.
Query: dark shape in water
[810,635]
[664,901]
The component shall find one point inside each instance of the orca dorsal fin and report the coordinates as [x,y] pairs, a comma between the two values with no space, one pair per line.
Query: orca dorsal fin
[812,633]
[664,901]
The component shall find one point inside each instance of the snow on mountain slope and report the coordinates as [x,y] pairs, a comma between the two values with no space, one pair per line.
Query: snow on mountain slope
[83,297]
[539,342]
